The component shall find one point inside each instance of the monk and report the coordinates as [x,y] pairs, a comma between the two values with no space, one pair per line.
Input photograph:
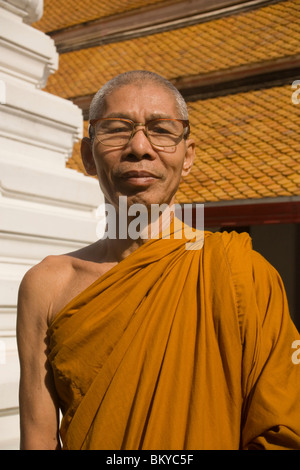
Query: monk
[139,342]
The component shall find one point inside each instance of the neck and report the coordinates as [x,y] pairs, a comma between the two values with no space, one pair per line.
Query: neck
[126,232]
[117,249]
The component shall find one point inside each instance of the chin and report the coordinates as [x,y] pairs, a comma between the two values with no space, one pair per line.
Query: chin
[146,197]
[148,200]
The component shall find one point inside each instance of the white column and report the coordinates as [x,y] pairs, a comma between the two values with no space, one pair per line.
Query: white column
[45,208]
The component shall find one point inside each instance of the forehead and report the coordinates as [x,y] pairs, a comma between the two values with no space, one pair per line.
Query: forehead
[149,99]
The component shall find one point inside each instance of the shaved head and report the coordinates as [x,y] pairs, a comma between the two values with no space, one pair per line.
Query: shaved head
[138,78]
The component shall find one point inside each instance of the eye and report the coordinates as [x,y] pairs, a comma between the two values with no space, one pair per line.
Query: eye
[116,130]
[160,128]
[114,127]
[165,127]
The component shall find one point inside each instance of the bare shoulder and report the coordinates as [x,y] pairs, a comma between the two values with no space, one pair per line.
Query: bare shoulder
[47,273]
[51,284]
[41,286]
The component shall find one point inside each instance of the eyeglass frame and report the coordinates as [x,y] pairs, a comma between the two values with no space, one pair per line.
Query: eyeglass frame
[185,122]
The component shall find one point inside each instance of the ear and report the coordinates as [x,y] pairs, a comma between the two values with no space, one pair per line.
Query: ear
[87,156]
[189,157]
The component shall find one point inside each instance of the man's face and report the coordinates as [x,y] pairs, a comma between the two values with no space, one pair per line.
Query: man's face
[144,173]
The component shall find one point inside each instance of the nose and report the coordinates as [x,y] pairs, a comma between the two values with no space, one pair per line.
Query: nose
[137,128]
[139,144]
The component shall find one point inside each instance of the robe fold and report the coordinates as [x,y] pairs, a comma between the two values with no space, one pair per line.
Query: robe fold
[176,349]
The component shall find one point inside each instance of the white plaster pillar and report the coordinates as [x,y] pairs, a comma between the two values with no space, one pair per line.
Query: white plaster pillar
[45,208]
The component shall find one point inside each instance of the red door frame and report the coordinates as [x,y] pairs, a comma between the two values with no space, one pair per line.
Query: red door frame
[252,214]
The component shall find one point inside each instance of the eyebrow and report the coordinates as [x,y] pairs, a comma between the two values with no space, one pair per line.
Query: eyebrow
[152,116]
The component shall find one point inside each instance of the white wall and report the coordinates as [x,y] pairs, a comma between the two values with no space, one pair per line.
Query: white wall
[45,208]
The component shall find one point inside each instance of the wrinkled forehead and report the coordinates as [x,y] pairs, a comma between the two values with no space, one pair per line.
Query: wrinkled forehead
[152,98]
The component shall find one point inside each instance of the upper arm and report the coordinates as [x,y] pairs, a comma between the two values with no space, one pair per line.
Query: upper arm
[38,402]
[273,415]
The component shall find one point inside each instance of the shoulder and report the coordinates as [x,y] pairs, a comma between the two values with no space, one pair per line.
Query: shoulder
[254,275]
[47,272]
[243,258]
[40,286]
[249,271]
[234,247]
[269,287]
[233,240]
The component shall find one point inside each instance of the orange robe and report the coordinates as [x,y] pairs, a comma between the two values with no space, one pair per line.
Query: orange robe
[177,349]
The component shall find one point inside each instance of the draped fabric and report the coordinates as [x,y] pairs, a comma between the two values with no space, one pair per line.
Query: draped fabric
[179,349]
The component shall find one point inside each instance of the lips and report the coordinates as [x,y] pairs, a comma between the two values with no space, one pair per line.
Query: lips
[138,174]
[138,177]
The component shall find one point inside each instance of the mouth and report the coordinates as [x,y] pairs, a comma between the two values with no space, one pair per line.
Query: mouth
[138,178]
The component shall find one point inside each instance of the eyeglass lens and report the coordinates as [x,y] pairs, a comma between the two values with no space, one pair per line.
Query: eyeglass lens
[117,132]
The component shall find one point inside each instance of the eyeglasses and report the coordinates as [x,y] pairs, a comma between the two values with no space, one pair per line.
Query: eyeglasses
[118,132]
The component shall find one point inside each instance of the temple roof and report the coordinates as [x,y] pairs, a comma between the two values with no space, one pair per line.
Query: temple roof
[272,32]
[248,138]
[58,15]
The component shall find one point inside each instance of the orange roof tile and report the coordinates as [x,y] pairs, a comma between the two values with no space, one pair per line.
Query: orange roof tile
[247,38]
[248,146]
[63,14]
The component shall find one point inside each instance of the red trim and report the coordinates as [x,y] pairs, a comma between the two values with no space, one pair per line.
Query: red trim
[252,214]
